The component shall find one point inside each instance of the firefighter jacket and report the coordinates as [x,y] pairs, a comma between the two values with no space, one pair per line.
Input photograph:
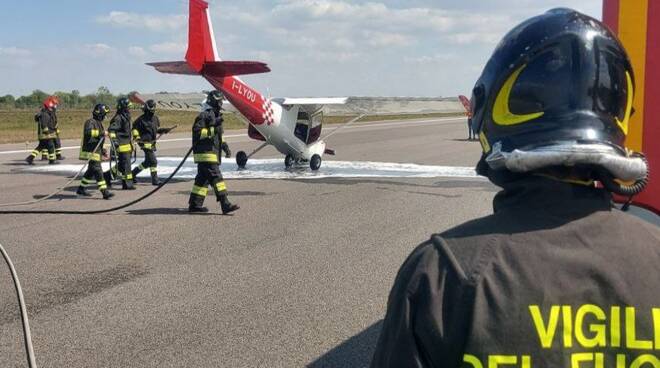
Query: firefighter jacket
[120,132]
[145,130]
[556,277]
[46,124]
[207,136]
[93,133]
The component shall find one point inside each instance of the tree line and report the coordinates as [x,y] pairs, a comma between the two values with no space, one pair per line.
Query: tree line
[69,100]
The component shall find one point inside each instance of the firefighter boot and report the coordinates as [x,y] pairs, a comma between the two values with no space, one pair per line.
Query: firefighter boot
[30,160]
[127,185]
[194,209]
[135,172]
[195,204]
[108,179]
[226,206]
[154,179]
[53,162]
[82,191]
[107,194]
[60,157]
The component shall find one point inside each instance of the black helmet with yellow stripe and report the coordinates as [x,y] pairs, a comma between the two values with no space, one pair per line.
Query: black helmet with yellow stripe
[123,104]
[557,91]
[100,111]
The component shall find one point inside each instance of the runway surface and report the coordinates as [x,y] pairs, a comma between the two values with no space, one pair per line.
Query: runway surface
[298,277]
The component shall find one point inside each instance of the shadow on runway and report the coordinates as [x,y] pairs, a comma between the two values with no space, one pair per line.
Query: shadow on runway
[171,211]
[19,163]
[464,140]
[58,197]
[232,193]
[356,352]
[483,184]
[445,184]
[448,196]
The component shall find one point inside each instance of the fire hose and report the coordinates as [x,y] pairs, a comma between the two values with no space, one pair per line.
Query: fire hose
[107,210]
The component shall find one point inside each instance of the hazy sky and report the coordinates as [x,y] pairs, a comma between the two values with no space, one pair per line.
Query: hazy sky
[314,47]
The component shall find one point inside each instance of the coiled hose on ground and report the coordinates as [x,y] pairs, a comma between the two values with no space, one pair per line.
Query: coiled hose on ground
[96,212]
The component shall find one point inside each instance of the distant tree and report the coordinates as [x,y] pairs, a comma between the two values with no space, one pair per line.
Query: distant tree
[75,99]
[7,102]
[34,100]
[104,96]
[69,100]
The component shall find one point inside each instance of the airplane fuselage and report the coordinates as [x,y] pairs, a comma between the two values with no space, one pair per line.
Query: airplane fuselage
[275,123]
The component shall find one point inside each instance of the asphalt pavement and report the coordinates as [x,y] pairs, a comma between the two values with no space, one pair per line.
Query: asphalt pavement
[299,276]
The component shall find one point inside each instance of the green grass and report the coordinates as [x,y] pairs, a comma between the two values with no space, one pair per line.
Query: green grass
[18,126]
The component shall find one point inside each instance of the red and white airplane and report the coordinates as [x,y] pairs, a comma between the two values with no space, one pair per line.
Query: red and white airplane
[292,125]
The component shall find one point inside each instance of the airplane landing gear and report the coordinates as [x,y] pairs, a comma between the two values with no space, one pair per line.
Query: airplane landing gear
[241,159]
[289,161]
[315,162]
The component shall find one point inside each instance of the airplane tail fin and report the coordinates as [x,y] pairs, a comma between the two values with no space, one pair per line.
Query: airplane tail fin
[202,55]
[466,104]
[201,40]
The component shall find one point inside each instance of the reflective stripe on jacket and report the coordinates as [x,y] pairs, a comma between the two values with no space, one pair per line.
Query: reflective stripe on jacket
[207,136]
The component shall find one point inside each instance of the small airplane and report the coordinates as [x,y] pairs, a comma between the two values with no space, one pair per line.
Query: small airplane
[291,125]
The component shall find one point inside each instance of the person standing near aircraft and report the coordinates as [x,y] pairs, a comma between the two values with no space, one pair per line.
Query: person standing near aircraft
[207,138]
[91,150]
[120,134]
[46,120]
[58,141]
[526,283]
[145,131]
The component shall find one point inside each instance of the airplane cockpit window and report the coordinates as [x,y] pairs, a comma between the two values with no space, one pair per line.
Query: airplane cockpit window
[302,126]
[315,131]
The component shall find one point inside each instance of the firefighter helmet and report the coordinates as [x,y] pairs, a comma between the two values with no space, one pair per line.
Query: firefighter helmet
[51,102]
[214,99]
[149,106]
[100,111]
[123,104]
[559,88]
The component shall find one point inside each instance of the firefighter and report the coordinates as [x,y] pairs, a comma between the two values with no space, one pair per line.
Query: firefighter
[550,278]
[471,135]
[58,141]
[120,135]
[46,120]
[145,131]
[207,140]
[91,150]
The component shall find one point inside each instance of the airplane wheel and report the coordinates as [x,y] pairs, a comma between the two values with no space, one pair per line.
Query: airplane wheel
[315,162]
[289,161]
[241,159]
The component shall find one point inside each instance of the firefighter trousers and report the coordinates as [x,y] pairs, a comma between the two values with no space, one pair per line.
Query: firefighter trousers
[94,174]
[150,162]
[46,147]
[207,173]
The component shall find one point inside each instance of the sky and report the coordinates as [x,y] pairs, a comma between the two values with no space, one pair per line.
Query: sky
[314,47]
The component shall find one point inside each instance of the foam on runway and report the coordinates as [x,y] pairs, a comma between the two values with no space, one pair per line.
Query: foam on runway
[274,169]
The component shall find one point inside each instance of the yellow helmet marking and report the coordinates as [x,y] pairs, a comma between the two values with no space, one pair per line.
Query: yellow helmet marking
[501,113]
[626,117]
[484,142]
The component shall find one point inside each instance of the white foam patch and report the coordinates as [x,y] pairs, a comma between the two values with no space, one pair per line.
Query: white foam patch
[274,169]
